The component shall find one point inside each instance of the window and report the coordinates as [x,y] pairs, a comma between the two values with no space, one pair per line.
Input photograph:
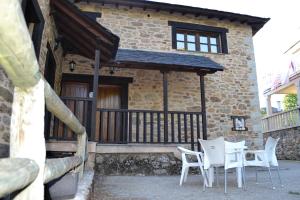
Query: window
[194,41]
[35,22]
[194,37]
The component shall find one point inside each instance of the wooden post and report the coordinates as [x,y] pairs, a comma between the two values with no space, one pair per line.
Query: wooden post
[269,105]
[165,99]
[298,92]
[95,94]
[203,106]
[27,134]
[81,151]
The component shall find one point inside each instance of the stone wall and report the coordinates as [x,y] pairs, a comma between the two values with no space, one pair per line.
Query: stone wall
[6,87]
[137,164]
[288,147]
[6,97]
[231,92]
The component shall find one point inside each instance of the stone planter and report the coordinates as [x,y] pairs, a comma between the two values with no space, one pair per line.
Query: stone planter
[64,187]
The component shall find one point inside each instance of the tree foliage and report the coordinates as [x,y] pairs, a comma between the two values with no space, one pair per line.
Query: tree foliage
[290,101]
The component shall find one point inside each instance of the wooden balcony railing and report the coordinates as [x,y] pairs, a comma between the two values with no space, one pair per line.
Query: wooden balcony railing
[282,120]
[122,126]
[147,126]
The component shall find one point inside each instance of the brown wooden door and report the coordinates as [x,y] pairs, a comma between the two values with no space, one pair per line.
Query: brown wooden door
[110,130]
[78,107]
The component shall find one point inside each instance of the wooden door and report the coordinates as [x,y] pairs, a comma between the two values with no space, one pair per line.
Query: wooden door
[108,126]
[78,107]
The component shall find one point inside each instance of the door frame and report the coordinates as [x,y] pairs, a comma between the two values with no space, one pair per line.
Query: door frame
[103,80]
[123,82]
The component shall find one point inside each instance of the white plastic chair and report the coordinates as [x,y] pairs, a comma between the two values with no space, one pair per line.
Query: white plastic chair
[186,165]
[214,153]
[265,158]
[234,158]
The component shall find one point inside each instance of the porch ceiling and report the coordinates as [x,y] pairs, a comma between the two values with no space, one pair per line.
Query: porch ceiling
[165,61]
[82,35]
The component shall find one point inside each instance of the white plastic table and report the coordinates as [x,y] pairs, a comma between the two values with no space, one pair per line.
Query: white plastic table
[238,173]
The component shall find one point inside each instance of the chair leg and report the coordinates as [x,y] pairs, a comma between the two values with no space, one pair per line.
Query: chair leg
[217,174]
[279,176]
[244,177]
[225,181]
[186,173]
[182,175]
[271,178]
[256,178]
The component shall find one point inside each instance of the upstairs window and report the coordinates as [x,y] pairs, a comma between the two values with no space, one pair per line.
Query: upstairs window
[197,41]
[194,37]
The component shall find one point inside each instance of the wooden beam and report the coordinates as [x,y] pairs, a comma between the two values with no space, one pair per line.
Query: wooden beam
[17,56]
[95,94]
[61,6]
[16,173]
[27,134]
[57,167]
[203,106]
[165,100]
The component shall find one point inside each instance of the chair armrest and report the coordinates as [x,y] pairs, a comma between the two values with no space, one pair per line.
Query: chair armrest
[189,152]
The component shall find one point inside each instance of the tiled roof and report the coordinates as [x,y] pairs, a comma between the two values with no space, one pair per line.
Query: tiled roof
[169,59]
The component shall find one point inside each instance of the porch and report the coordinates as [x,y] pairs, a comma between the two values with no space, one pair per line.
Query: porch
[101,102]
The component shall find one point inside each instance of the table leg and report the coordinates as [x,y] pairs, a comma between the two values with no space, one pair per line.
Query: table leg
[239,177]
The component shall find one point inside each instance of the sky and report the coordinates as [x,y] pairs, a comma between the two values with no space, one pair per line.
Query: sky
[272,40]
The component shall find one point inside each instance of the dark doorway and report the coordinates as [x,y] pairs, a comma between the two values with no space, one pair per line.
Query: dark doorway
[49,74]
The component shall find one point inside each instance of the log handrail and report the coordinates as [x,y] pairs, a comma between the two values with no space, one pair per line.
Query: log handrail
[16,173]
[17,57]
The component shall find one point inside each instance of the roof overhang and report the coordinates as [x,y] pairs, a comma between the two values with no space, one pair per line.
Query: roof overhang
[128,58]
[255,22]
[82,35]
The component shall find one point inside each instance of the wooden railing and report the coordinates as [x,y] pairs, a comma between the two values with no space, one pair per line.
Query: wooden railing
[81,108]
[27,169]
[282,120]
[147,126]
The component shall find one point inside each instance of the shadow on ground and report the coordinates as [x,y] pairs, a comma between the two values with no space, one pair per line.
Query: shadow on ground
[167,187]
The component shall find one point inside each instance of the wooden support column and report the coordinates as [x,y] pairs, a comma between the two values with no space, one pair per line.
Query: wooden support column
[298,92]
[203,106]
[27,135]
[269,105]
[95,94]
[165,99]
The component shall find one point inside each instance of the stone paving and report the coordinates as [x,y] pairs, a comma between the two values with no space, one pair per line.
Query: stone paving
[167,187]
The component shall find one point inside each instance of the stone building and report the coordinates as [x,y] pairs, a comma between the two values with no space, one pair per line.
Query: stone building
[169,74]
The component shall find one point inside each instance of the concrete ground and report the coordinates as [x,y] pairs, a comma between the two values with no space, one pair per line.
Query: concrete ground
[167,187]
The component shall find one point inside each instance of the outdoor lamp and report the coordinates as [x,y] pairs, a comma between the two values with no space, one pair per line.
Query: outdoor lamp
[72,65]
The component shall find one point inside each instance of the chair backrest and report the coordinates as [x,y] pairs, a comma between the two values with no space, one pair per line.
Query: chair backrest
[213,152]
[234,154]
[270,150]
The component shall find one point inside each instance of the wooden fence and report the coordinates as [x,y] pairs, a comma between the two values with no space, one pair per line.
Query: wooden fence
[27,169]
[282,120]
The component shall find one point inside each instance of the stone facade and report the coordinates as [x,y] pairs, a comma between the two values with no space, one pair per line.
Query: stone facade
[6,87]
[288,147]
[137,164]
[231,92]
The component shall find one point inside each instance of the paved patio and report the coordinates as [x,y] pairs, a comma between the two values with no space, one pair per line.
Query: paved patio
[167,187]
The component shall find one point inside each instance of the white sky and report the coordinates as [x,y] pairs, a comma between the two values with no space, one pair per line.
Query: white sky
[273,39]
